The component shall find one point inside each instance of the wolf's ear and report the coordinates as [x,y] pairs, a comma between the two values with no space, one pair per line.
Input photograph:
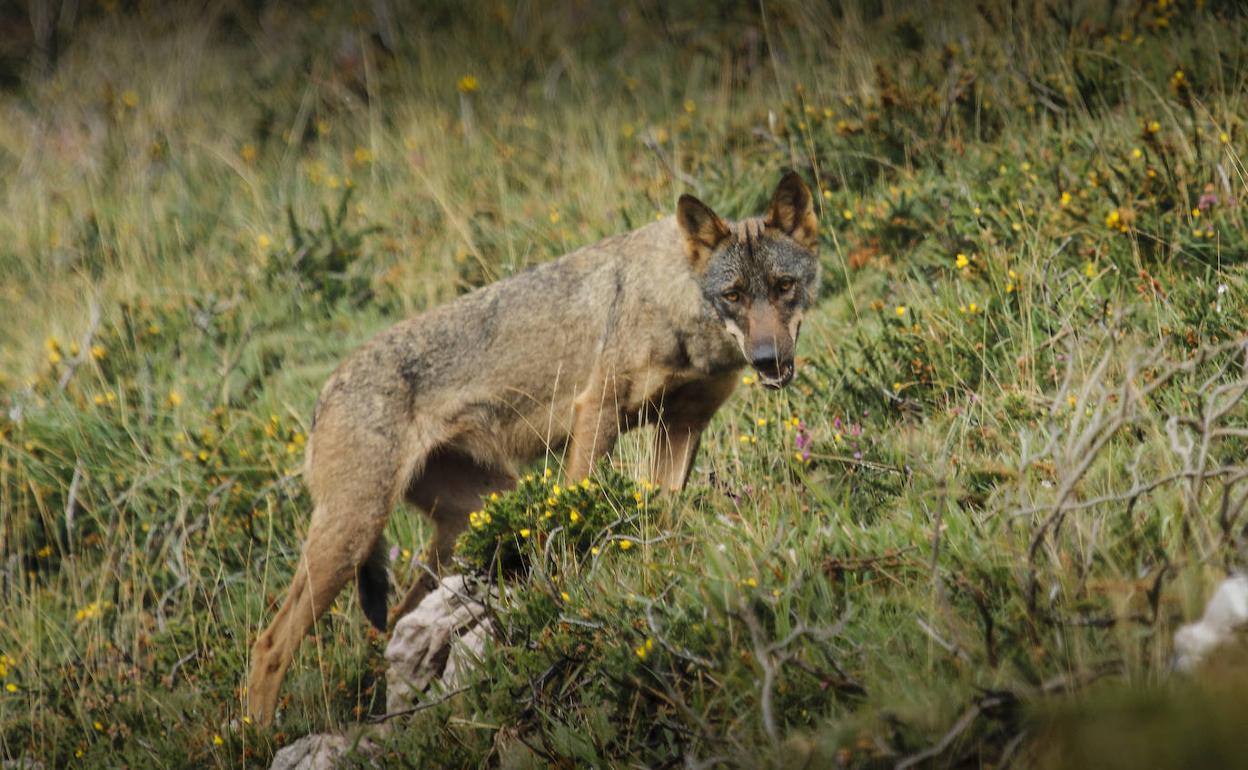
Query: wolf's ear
[792,211]
[703,230]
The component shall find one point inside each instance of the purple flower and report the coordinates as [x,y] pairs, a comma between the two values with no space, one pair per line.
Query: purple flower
[802,441]
[394,552]
[1207,201]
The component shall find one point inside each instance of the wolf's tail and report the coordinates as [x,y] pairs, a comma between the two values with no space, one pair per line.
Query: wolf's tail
[373,580]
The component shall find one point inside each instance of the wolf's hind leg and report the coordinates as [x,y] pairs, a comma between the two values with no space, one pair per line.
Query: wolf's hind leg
[329,560]
[451,486]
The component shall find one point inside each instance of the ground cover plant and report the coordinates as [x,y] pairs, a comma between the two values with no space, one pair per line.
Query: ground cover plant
[1011,463]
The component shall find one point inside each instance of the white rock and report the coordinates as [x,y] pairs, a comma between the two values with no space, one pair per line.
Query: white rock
[442,639]
[315,752]
[1226,612]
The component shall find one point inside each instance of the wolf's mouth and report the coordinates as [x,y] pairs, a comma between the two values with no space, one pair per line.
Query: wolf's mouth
[776,376]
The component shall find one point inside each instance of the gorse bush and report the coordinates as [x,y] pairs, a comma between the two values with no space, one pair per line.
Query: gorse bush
[322,263]
[577,521]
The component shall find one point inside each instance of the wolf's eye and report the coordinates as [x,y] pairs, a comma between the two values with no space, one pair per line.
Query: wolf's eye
[785,285]
[732,296]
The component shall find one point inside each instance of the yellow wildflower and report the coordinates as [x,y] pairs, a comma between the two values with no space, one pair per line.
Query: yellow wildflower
[524,532]
[174,398]
[900,311]
[468,84]
[626,544]
[363,155]
[1064,201]
[961,261]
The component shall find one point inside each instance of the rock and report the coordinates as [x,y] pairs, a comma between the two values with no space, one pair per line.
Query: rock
[312,752]
[1226,612]
[442,638]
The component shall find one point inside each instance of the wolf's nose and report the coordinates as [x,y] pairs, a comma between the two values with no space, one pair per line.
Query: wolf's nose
[775,372]
[764,358]
[769,365]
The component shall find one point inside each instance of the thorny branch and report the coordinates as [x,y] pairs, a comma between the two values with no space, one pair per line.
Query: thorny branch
[1101,412]
[771,657]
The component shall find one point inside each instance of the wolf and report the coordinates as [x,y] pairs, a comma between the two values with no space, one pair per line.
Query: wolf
[651,327]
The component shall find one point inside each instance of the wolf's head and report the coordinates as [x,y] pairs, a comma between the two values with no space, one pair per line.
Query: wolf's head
[759,275]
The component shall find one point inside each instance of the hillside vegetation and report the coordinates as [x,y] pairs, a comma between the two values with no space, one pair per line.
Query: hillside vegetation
[1011,463]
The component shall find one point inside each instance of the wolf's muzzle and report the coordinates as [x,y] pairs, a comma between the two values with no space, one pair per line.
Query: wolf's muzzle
[773,372]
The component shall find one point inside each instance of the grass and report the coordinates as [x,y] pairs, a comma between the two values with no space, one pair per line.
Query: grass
[1008,468]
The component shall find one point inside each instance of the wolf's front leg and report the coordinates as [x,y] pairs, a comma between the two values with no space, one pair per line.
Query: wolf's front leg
[686,413]
[595,429]
[675,446]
